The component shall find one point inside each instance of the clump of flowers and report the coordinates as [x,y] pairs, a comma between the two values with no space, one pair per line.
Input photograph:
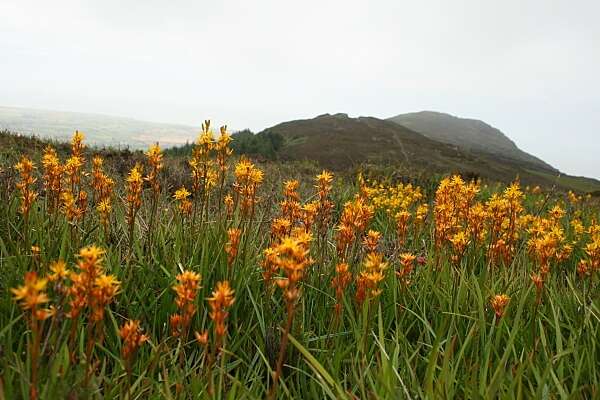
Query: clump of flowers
[503,213]
[547,241]
[393,199]
[453,200]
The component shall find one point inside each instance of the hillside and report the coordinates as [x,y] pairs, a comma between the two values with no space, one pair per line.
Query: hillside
[100,130]
[468,134]
[340,142]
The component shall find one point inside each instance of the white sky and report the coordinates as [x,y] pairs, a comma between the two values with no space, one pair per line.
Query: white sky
[530,68]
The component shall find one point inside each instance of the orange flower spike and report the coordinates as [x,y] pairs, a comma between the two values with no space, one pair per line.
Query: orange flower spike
[202,338]
[290,206]
[53,172]
[280,227]
[201,165]
[59,271]
[30,297]
[133,339]
[221,300]
[269,265]
[77,144]
[32,294]
[340,282]
[135,184]
[97,176]
[538,281]
[499,303]
[247,180]
[223,150]
[371,276]
[583,269]
[229,205]
[154,157]
[90,287]
[184,204]
[25,167]
[231,247]
[105,289]
[293,259]
[402,219]
[407,264]
[324,204]
[309,214]
[371,241]
[186,289]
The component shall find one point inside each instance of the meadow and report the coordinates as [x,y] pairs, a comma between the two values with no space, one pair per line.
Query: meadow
[238,281]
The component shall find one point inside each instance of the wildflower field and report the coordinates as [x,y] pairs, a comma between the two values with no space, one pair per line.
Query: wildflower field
[244,283]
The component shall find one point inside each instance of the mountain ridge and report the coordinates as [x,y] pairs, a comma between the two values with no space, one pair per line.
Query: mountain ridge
[467,133]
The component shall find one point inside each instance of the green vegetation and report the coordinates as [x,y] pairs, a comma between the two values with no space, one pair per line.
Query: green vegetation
[448,289]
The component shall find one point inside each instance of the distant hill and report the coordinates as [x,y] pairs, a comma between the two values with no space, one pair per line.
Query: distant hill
[339,142]
[100,130]
[468,134]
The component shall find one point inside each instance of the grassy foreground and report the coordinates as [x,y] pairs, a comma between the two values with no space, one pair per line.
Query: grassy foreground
[245,284]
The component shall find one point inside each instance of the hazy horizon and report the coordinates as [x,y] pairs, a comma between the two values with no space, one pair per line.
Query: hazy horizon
[528,69]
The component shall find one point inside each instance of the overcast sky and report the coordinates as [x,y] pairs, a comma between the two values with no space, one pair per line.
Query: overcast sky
[530,68]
